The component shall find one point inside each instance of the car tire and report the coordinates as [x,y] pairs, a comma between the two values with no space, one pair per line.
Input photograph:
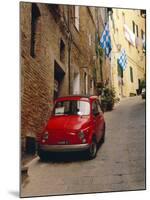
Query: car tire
[92,151]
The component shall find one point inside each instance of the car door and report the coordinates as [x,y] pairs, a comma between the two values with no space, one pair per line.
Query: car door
[96,124]
[100,120]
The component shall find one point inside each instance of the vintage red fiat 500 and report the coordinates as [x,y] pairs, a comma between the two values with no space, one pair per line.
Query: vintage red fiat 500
[77,124]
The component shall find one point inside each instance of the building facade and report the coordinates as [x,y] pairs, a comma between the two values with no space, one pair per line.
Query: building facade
[58,58]
[127,29]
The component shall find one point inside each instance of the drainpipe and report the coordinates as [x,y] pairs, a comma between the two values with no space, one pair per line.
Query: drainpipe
[69,50]
[101,70]
[100,61]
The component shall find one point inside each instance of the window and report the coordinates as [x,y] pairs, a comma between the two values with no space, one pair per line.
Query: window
[35,14]
[143,13]
[131,74]
[94,107]
[77,17]
[120,71]
[91,83]
[90,40]
[72,107]
[142,34]
[62,51]
[143,40]
[85,83]
[133,24]
[137,31]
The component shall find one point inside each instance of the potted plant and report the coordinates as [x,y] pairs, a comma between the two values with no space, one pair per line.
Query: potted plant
[108,98]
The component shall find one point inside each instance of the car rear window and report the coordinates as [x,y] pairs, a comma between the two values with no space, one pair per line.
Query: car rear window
[71,107]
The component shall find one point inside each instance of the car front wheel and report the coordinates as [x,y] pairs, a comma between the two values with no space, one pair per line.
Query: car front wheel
[92,151]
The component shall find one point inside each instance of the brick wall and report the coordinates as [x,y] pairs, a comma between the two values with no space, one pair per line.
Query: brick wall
[38,65]
[37,73]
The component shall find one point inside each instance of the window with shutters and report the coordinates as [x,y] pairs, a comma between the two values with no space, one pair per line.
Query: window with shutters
[131,74]
[133,24]
[137,31]
[62,51]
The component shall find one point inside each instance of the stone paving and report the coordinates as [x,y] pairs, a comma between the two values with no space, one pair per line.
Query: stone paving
[119,165]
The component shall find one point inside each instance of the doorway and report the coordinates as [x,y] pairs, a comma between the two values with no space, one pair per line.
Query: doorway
[58,79]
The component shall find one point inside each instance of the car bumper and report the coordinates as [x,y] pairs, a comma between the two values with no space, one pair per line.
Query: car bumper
[63,148]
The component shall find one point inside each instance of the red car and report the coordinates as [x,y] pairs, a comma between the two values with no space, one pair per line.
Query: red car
[77,124]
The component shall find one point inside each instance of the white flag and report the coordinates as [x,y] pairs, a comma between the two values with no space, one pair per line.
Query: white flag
[129,35]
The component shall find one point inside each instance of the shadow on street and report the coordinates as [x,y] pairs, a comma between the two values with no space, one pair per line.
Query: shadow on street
[64,157]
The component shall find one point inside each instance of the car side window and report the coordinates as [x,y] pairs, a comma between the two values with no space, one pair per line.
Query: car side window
[99,107]
[94,107]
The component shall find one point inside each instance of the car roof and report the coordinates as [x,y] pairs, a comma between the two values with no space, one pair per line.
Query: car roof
[84,97]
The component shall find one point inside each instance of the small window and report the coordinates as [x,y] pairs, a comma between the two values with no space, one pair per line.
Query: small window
[143,40]
[143,13]
[90,40]
[133,24]
[137,31]
[62,51]
[131,74]
[120,71]
[91,83]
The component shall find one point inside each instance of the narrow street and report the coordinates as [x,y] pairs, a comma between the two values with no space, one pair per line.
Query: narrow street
[119,165]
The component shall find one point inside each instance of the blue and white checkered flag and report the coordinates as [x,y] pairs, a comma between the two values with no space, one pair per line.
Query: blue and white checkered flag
[122,60]
[105,41]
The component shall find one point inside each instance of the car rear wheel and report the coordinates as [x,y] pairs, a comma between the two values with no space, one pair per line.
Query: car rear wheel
[92,151]
[103,137]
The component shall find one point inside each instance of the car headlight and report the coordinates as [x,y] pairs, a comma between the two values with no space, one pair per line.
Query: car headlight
[81,134]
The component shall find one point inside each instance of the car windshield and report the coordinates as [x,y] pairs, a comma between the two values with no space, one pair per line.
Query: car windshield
[71,107]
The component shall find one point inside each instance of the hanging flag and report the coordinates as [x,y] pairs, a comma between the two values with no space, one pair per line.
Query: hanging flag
[122,60]
[129,35]
[105,41]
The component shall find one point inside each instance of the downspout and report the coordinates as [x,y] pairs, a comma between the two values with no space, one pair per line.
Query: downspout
[69,50]
[99,55]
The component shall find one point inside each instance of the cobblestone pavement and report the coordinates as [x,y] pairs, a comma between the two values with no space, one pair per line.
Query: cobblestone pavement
[119,165]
